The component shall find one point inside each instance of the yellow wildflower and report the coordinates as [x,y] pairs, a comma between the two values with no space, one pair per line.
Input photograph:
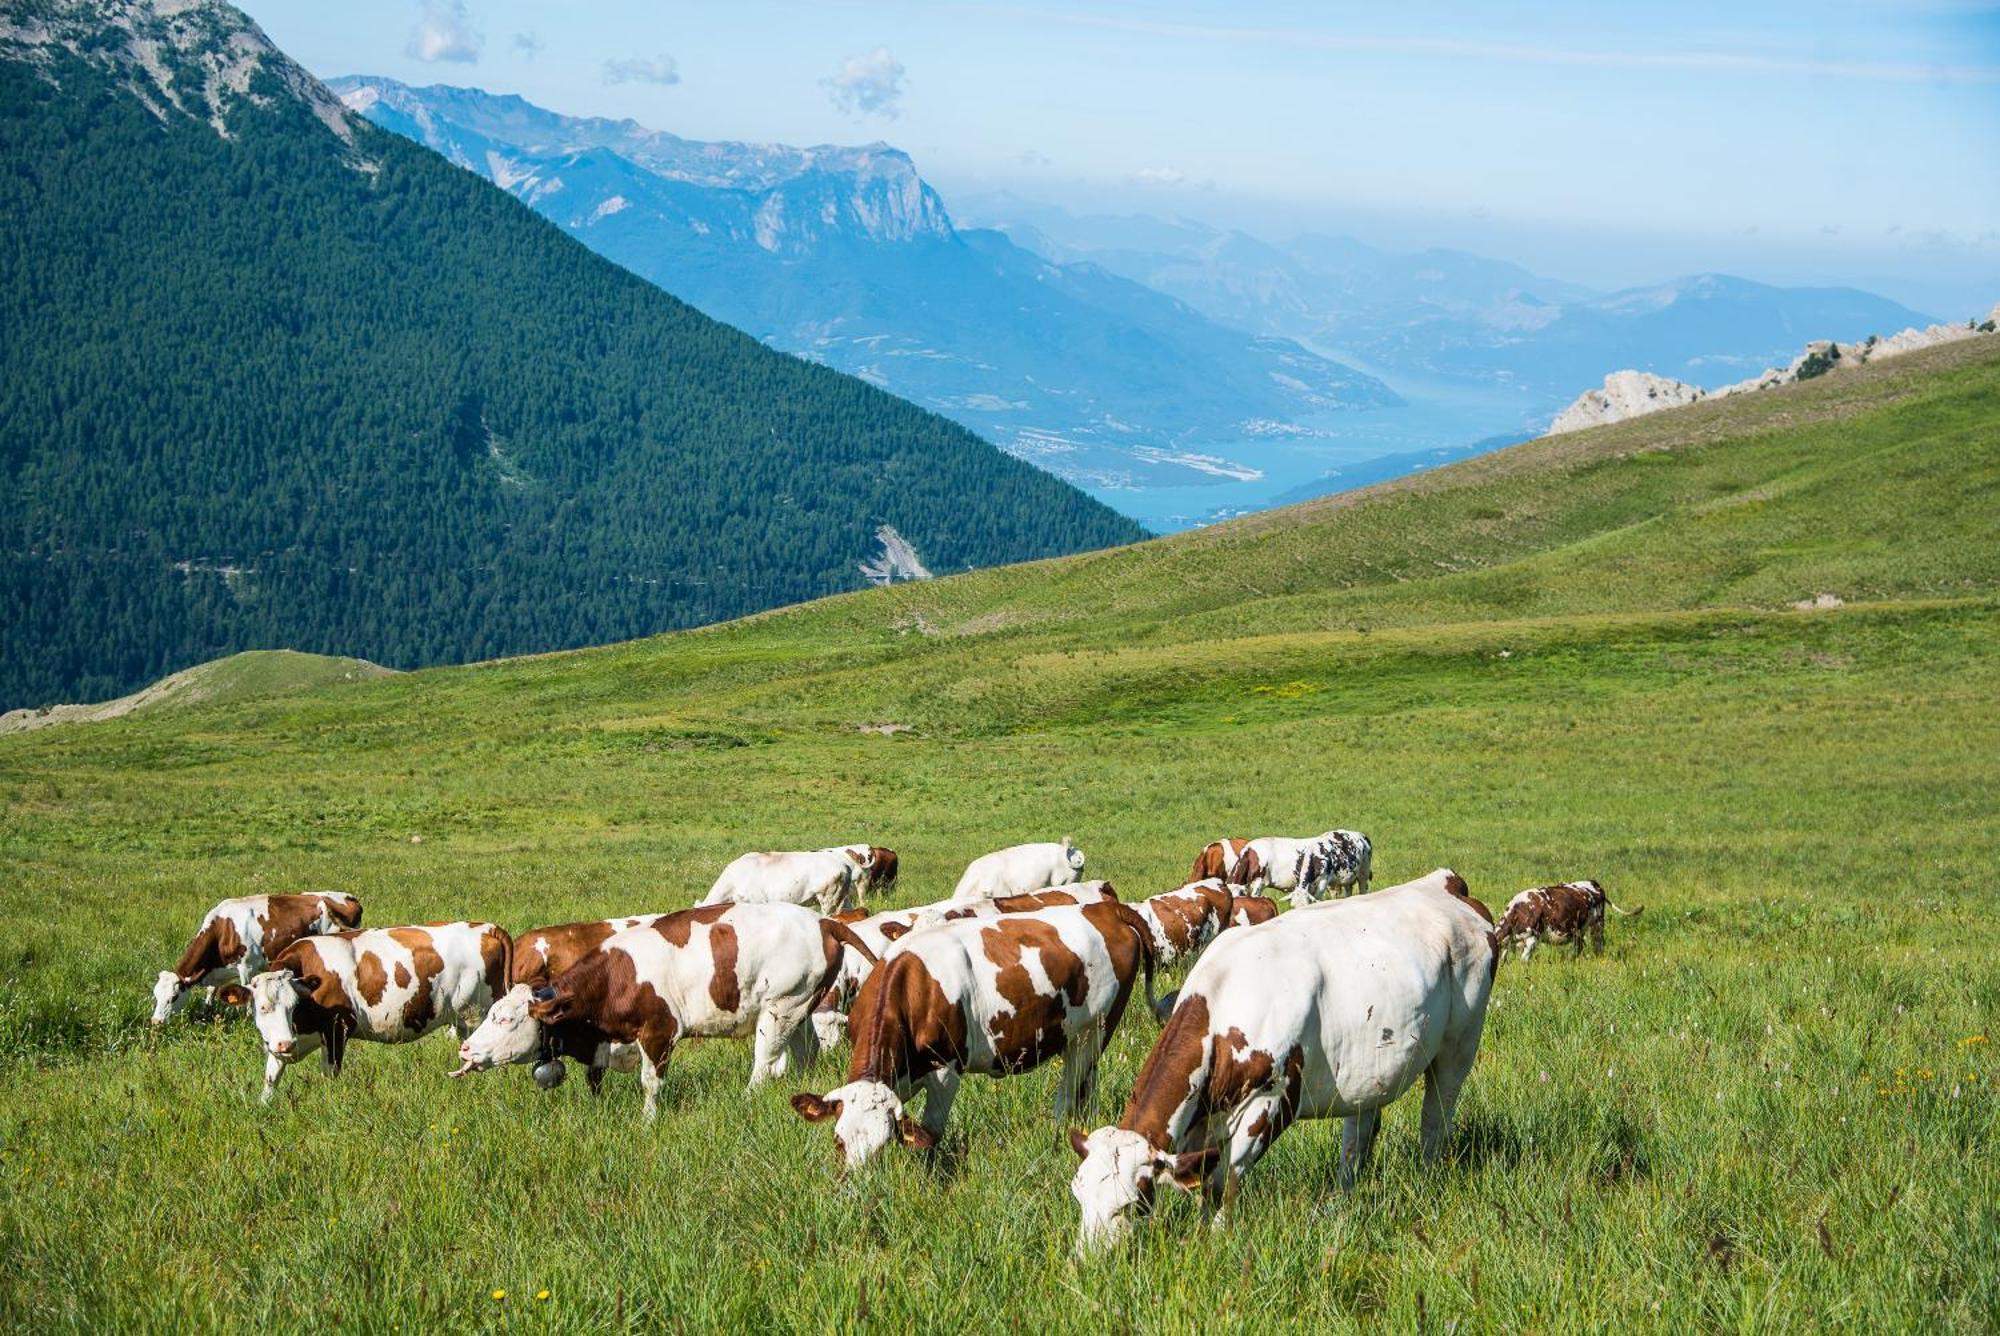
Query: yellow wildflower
[541,1294]
[500,1294]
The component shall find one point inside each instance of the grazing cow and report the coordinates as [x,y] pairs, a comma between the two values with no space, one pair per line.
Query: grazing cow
[1025,867]
[1271,862]
[715,971]
[1184,921]
[1329,1014]
[238,937]
[876,931]
[1569,912]
[540,954]
[1217,860]
[877,866]
[1342,862]
[992,995]
[1247,911]
[826,879]
[388,985]
[1079,893]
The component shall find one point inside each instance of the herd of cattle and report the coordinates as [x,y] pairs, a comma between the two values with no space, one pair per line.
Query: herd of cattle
[1330,1011]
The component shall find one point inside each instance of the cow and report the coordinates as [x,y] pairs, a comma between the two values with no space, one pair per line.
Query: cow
[1247,911]
[1077,893]
[1342,862]
[540,954]
[1185,920]
[990,995]
[1217,859]
[1570,911]
[387,985]
[1271,862]
[825,879]
[714,971]
[876,931]
[1328,1014]
[1025,867]
[239,937]
[877,866]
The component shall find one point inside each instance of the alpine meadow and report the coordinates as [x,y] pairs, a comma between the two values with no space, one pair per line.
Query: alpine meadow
[1771,1102]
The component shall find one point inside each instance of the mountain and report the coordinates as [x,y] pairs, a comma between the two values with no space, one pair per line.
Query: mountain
[1451,315]
[846,256]
[273,375]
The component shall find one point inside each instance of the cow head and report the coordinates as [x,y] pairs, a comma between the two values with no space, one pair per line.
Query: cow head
[1072,854]
[170,994]
[338,911]
[509,1034]
[1116,1178]
[867,1117]
[276,998]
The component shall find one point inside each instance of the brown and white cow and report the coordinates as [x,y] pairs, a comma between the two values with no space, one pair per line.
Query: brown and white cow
[540,954]
[1247,911]
[1028,902]
[1571,911]
[1331,1013]
[714,971]
[238,937]
[877,866]
[826,879]
[990,995]
[1185,920]
[387,985]
[1217,859]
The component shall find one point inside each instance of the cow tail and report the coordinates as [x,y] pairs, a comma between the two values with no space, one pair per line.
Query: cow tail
[836,936]
[499,990]
[1628,913]
[1147,951]
[1248,865]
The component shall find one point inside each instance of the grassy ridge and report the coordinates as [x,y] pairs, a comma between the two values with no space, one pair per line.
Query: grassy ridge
[1758,1109]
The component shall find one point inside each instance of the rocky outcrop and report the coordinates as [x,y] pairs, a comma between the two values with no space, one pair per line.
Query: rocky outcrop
[1630,394]
[897,560]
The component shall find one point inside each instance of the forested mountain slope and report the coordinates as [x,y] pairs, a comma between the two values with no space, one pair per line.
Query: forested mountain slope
[273,376]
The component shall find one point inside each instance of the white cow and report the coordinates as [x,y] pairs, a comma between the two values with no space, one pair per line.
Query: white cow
[389,985]
[826,879]
[238,937]
[1273,862]
[1342,862]
[1329,1014]
[1025,867]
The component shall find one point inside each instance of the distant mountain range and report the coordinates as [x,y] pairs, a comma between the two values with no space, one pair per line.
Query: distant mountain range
[846,256]
[1448,314]
[272,376]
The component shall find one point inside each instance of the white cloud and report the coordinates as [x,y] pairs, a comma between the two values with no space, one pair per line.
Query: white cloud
[529,44]
[659,69]
[1159,176]
[867,85]
[445,32]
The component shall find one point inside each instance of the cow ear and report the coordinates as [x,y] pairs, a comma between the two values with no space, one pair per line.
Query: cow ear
[545,993]
[549,1009]
[1078,1142]
[306,985]
[915,1135]
[814,1109]
[1189,1169]
[891,931]
[232,995]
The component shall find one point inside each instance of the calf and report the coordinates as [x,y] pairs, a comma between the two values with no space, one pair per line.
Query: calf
[823,878]
[993,995]
[1328,1014]
[238,937]
[1025,867]
[1217,859]
[876,864]
[1182,922]
[1246,911]
[715,971]
[388,985]
[1569,912]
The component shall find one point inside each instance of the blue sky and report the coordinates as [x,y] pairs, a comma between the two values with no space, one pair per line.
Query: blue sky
[1822,142]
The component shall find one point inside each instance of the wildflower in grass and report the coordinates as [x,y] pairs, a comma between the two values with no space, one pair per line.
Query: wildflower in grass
[541,1295]
[1973,1041]
[500,1295]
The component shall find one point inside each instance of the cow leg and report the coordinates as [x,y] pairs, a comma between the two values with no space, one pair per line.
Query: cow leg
[1528,947]
[940,1089]
[796,1041]
[593,1076]
[766,1060]
[273,1069]
[1079,1074]
[1251,1131]
[656,1046]
[1597,936]
[1357,1143]
[1442,1083]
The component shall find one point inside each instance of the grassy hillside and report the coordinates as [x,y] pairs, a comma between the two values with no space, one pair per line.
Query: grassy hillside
[1771,1104]
[238,677]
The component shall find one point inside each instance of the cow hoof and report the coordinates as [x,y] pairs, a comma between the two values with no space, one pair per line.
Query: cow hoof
[549,1075]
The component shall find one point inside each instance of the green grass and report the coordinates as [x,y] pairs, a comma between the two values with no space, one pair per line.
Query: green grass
[1578,658]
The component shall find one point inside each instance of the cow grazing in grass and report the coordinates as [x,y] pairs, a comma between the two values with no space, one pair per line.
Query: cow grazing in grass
[1025,867]
[1333,1013]
[877,932]
[239,937]
[1571,911]
[1247,911]
[715,971]
[386,985]
[1079,893]
[1185,920]
[991,995]
[1342,862]
[877,866]
[540,954]
[826,879]
[1217,860]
